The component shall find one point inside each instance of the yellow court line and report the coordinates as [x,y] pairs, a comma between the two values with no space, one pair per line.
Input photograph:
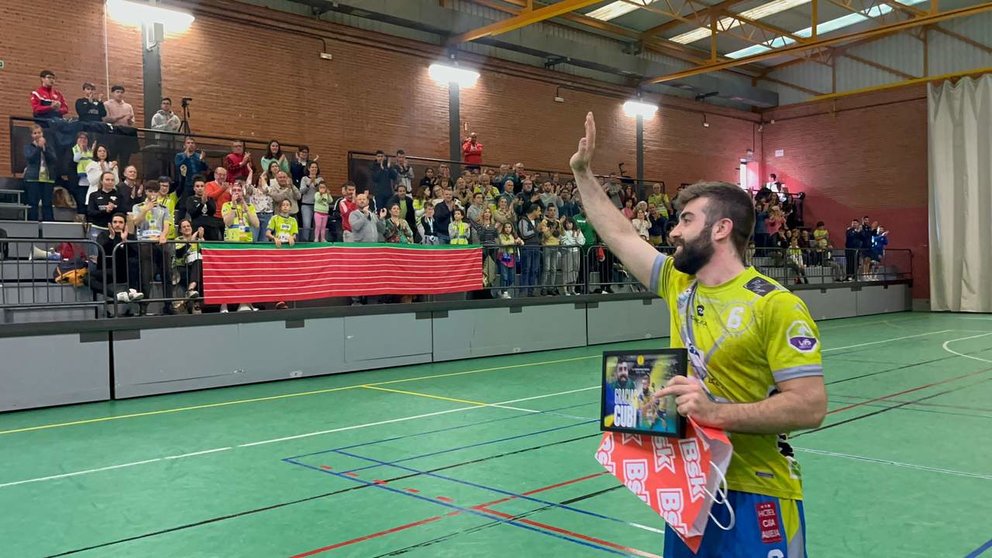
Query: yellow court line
[427,395]
[288,395]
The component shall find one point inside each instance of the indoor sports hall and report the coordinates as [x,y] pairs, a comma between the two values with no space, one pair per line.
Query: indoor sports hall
[496,278]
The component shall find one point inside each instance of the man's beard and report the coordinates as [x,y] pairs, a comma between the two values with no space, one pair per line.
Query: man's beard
[695,253]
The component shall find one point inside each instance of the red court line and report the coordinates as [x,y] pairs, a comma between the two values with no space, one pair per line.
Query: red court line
[375,535]
[559,530]
[910,390]
[438,517]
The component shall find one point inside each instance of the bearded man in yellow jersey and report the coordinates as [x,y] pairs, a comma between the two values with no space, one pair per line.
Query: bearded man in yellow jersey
[754,352]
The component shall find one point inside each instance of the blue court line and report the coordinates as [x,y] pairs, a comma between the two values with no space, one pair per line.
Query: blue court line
[460,508]
[980,550]
[485,487]
[468,446]
[446,429]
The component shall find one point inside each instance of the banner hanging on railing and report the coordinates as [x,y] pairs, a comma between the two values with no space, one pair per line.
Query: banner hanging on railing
[234,273]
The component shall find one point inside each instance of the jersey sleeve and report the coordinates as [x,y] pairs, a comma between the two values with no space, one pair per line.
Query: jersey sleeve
[661,272]
[793,349]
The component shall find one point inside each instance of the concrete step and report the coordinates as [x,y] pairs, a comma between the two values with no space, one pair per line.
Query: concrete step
[27,270]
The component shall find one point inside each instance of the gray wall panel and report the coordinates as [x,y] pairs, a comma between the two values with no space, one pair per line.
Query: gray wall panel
[374,338]
[883,298]
[140,368]
[627,320]
[833,303]
[237,354]
[40,376]
[500,331]
[272,350]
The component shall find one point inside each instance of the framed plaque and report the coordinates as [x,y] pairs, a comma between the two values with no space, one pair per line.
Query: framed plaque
[630,381]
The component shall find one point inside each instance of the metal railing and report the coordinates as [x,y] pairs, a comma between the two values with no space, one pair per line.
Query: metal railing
[139,276]
[359,163]
[153,152]
[30,270]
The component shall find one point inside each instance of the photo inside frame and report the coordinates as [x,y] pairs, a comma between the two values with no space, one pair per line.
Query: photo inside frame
[630,381]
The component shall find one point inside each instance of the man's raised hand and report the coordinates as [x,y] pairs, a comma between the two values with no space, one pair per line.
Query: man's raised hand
[587,145]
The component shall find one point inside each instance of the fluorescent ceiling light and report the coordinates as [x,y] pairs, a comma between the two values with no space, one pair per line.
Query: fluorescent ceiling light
[639,108]
[725,23]
[614,10]
[443,73]
[138,13]
[822,28]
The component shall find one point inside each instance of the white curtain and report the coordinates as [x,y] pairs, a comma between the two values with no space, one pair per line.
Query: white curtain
[960,145]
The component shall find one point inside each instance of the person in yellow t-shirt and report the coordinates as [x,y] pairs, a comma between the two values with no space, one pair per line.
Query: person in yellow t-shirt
[239,216]
[282,228]
[754,351]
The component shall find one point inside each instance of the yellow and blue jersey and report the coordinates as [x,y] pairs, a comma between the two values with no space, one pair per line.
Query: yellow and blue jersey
[743,337]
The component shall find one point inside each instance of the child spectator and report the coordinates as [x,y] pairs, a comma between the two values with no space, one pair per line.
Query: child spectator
[39,175]
[321,209]
[428,227]
[283,228]
[572,241]
[458,230]
[507,256]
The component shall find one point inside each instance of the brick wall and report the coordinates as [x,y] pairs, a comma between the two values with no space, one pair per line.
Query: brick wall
[861,155]
[72,46]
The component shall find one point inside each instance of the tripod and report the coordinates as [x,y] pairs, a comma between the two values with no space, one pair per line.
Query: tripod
[184,128]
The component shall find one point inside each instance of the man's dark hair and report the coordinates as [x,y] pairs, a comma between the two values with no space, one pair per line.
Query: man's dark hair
[400,152]
[119,214]
[88,85]
[164,99]
[379,152]
[117,88]
[165,179]
[46,73]
[819,223]
[349,184]
[152,186]
[303,148]
[774,176]
[199,178]
[726,201]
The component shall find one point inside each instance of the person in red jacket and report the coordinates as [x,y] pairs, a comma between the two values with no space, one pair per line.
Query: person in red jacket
[46,101]
[238,162]
[472,153]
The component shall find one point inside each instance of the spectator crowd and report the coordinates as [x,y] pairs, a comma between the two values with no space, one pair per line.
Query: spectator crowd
[531,224]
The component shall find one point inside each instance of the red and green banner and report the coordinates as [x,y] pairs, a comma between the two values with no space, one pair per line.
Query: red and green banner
[235,273]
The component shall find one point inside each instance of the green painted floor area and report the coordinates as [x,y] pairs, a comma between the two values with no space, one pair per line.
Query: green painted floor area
[490,457]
